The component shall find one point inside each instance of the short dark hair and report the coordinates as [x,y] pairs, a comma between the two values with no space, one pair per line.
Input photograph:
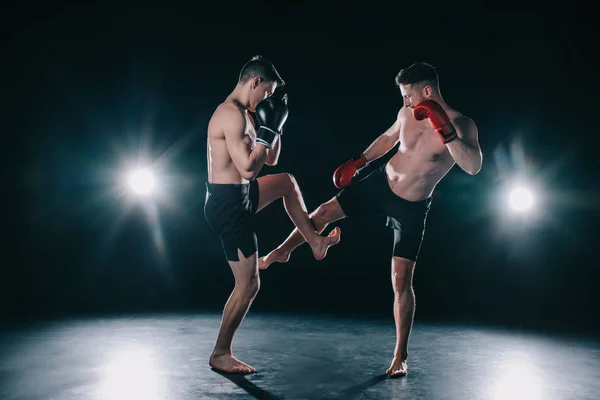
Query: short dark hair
[418,73]
[261,67]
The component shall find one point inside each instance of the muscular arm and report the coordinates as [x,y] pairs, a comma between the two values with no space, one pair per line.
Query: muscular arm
[384,143]
[273,154]
[465,149]
[247,160]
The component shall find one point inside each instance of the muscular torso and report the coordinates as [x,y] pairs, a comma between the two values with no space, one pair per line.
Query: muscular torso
[422,159]
[221,168]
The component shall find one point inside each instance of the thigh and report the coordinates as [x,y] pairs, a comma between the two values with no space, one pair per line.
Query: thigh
[240,241]
[362,197]
[407,245]
[273,187]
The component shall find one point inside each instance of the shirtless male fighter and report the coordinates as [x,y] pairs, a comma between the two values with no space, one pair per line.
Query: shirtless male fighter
[433,137]
[244,133]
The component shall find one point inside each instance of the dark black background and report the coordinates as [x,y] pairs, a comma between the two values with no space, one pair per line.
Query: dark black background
[85,87]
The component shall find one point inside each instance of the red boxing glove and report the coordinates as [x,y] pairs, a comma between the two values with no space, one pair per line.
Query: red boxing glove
[342,177]
[437,118]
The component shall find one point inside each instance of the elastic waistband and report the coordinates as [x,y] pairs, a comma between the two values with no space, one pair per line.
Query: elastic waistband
[227,188]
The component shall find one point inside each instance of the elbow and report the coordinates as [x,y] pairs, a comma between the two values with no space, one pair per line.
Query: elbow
[248,169]
[475,168]
[273,162]
[249,174]
[473,171]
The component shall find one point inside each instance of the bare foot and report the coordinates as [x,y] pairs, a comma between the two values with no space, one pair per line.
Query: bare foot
[320,248]
[228,363]
[399,367]
[277,255]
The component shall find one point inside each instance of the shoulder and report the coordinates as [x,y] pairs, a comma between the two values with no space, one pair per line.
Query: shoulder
[228,117]
[230,113]
[404,113]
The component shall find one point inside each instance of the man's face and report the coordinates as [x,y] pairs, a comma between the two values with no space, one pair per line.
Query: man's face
[412,95]
[260,90]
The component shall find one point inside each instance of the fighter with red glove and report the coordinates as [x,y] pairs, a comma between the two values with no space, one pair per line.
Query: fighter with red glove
[400,189]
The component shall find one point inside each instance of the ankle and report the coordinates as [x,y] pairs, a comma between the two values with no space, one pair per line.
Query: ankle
[279,251]
[219,353]
[315,239]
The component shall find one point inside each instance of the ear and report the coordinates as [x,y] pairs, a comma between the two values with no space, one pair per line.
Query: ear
[255,82]
[427,91]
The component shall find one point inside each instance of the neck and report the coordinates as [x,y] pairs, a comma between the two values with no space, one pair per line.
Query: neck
[438,98]
[240,97]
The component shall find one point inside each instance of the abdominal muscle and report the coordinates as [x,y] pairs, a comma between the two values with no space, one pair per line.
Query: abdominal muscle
[413,176]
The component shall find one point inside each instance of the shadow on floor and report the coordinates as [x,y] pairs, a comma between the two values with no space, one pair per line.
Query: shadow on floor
[248,386]
[361,387]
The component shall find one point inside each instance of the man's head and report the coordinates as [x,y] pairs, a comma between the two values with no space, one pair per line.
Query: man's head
[260,78]
[417,83]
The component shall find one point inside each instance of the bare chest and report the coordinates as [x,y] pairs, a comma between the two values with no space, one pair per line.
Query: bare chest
[418,137]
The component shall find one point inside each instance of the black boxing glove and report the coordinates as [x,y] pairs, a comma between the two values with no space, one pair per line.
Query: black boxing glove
[271,114]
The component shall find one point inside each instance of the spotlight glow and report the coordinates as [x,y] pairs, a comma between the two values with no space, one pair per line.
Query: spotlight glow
[517,378]
[142,181]
[131,374]
[521,199]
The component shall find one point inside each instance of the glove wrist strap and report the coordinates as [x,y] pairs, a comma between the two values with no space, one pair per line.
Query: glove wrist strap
[360,161]
[266,137]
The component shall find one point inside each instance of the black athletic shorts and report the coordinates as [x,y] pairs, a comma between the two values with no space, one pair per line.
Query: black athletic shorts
[372,196]
[228,209]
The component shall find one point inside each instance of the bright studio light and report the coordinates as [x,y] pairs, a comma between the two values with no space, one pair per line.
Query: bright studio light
[141,181]
[131,374]
[520,199]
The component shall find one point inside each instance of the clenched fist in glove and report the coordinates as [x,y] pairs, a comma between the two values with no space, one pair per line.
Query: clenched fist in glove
[437,118]
[342,177]
[271,114]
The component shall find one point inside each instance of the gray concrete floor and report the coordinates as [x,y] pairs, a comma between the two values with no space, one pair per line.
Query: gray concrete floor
[296,357]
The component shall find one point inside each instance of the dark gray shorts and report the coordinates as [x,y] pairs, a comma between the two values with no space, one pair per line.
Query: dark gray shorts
[371,195]
[229,209]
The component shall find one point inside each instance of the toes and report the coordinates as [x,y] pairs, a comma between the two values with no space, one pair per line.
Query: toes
[397,372]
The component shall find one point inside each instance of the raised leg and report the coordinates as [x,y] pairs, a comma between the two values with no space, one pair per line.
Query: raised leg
[324,214]
[273,187]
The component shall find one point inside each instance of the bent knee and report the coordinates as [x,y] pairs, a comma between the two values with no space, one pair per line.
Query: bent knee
[289,183]
[251,286]
[327,212]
